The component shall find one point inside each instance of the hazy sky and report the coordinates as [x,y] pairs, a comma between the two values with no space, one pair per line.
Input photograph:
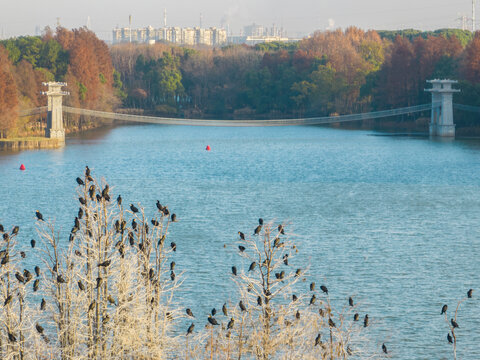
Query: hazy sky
[298,17]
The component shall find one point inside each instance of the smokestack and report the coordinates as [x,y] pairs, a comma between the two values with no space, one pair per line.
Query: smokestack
[130,27]
[165,17]
[473,16]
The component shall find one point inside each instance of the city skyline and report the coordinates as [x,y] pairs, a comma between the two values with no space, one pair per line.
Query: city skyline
[297,18]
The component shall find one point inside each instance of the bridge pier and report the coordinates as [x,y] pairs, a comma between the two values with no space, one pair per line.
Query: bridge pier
[441,123]
[54,129]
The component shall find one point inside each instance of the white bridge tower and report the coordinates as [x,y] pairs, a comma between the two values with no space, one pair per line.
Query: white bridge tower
[441,123]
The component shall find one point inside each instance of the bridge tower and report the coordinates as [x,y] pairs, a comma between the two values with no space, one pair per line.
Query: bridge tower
[441,123]
[54,129]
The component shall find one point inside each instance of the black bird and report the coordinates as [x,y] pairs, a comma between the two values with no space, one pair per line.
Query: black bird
[297,315]
[224,309]
[355,317]
[111,300]
[43,304]
[80,285]
[99,282]
[15,230]
[23,255]
[1,228]
[350,301]
[5,259]
[80,181]
[470,293]
[444,309]
[131,239]
[39,215]
[39,328]
[173,246]
[190,328]
[259,301]
[231,323]
[285,259]
[257,230]
[98,197]
[449,338]
[312,286]
[172,265]
[234,270]
[242,235]
[317,339]
[159,206]
[77,223]
[189,312]
[260,221]
[173,218]
[78,253]
[165,211]
[19,277]
[454,323]
[5,237]
[324,289]
[32,243]
[242,306]
[155,222]
[82,200]
[151,273]
[212,320]
[252,266]
[87,171]
[105,263]
[105,191]
[37,270]
[60,279]
[35,285]
[80,213]
[119,200]
[7,300]
[11,337]
[27,275]
[241,248]
[91,306]
[331,323]
[107,198]
[313,299]
[294,298]
[133,208]
[365,321]
[172,275]
[297,273]
[281,230]
[91,191]
[214,311]
[384,348]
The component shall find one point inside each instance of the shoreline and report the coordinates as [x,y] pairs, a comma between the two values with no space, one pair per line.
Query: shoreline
[30,143]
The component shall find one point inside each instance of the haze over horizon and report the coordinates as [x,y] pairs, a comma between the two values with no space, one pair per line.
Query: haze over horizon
[298,18]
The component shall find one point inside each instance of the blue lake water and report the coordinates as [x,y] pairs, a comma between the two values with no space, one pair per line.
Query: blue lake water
[394,220]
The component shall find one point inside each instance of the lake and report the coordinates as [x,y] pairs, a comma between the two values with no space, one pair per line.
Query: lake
[393,220]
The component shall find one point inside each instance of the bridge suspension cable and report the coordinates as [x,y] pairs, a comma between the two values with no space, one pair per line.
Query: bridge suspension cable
[469,108]
[244,123]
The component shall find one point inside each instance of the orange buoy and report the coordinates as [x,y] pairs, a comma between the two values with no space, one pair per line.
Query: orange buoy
[207,148]
[22,167]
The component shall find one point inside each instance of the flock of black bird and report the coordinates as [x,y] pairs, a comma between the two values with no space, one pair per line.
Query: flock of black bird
[26,277]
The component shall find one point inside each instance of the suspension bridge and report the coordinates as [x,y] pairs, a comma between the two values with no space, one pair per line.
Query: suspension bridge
[441,107]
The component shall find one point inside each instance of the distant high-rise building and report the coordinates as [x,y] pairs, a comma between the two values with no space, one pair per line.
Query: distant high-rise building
[181,36]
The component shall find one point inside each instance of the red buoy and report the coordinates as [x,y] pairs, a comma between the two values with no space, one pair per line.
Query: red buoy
[207,148]
[22,167]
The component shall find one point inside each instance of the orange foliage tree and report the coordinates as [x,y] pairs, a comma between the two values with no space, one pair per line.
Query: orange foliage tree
[8,95]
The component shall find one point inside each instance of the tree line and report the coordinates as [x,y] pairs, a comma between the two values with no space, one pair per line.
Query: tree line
[331,72]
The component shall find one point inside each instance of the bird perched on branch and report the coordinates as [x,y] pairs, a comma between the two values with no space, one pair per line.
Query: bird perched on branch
[212,320]
[133,208]
[39,215]
[470,293]
[324,289]
[444,309]
[190,329]
[80,181]
[365,321]
[384,348]
[454,323]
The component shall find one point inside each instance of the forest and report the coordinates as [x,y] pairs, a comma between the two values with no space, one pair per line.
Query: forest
[330,72]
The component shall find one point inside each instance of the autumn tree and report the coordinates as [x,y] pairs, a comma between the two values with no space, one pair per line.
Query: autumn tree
[8,95]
